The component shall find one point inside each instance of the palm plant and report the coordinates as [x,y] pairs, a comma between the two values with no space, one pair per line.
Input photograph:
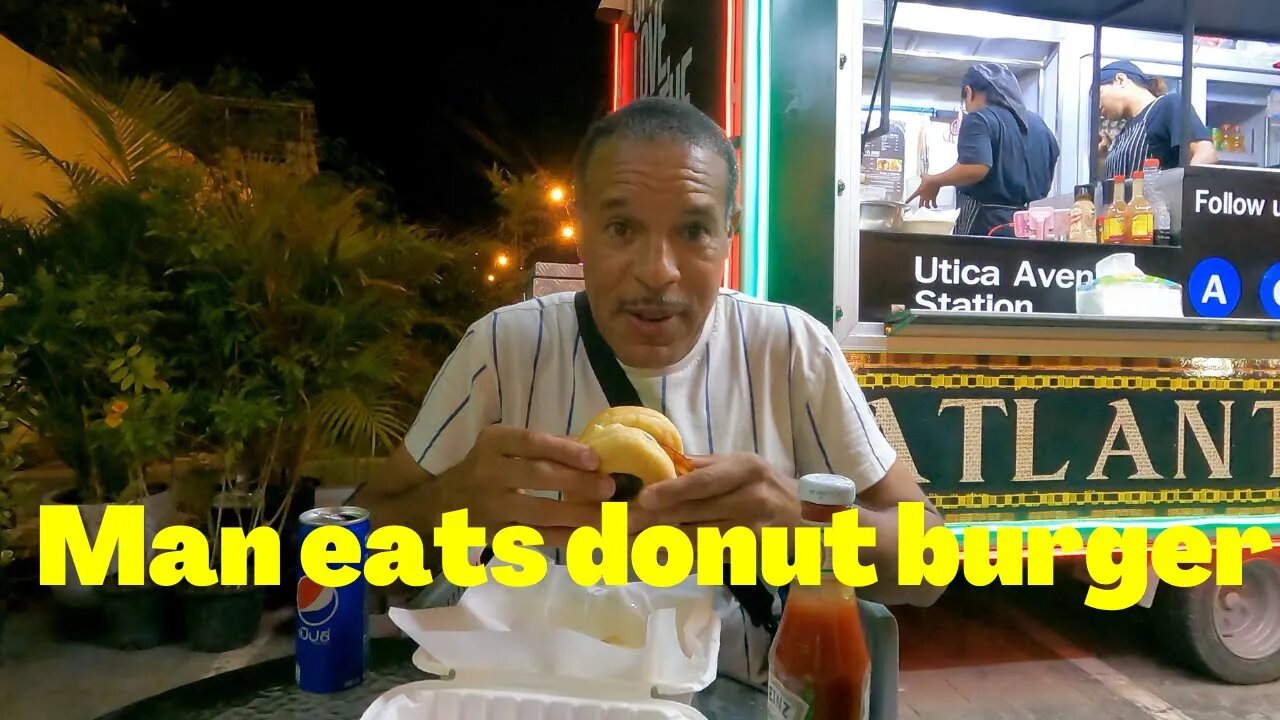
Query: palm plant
[263,295]
[306,315]
[136,123]
[529,225]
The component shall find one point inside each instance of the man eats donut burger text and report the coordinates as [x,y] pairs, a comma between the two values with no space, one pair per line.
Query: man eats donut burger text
[517,428]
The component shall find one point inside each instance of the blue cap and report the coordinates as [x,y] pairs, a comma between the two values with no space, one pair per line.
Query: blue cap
[1109,72]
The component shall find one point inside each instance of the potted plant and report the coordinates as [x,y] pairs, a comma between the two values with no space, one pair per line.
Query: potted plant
[132,434]
[91,279]
[87,317]
[222,616]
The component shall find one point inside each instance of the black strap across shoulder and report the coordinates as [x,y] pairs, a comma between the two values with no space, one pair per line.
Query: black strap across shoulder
[617,387]
[755,599]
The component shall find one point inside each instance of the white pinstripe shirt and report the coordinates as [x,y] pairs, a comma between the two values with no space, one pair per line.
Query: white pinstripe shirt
[764,378]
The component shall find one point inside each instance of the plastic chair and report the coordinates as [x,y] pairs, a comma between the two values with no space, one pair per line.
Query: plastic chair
[881,629]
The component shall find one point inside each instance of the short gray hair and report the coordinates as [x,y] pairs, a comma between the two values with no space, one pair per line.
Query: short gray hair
[660,118]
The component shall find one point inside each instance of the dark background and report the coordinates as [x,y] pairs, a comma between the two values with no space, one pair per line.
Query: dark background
[429,93]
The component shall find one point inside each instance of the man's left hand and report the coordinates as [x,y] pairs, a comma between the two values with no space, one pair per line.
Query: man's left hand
[722,491]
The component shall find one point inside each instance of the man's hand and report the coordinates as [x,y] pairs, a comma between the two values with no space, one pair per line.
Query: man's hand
[927,192]
[722,491]
[506,461]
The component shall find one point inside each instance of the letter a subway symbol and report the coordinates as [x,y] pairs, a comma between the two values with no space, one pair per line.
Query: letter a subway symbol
[1213,289]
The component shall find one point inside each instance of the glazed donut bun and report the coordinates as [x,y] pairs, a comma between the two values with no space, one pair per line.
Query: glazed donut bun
[637,446]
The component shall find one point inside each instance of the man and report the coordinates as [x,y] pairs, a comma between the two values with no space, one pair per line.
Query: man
[1005,155]
[760,391]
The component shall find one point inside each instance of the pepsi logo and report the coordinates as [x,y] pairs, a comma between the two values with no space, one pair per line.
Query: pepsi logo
[316,604]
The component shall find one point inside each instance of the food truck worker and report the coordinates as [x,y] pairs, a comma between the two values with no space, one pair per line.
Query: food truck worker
[1005,156]
[1153,122]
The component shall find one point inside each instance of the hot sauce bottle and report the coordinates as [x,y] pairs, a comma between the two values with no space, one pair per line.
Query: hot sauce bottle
[819,666]
[1114,228]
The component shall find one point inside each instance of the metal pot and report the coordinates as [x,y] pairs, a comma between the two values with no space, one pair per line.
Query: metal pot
[882,215]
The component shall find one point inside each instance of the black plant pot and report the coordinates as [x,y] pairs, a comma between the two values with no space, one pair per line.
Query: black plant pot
[220,618]
[134,615]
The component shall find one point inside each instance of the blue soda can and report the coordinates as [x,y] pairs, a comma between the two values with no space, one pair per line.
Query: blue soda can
[332,649]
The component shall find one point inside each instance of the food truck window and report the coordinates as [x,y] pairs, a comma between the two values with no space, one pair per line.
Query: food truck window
[907,261]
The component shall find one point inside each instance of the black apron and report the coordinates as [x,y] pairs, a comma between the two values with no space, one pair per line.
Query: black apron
[1132,145]
[980,218]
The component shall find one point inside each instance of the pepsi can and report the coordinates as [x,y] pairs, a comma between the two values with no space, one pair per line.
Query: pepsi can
[332,649]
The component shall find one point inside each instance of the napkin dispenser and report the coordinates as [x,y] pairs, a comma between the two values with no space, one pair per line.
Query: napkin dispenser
[1121,289]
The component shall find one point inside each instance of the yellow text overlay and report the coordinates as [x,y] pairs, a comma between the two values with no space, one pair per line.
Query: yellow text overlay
[1117,559]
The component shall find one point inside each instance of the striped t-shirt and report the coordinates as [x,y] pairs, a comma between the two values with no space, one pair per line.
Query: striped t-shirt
[764,377]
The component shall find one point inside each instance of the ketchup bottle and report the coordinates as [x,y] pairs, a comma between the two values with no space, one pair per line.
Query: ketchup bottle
[819,666]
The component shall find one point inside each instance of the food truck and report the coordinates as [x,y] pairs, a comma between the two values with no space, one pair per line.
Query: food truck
[1029,381]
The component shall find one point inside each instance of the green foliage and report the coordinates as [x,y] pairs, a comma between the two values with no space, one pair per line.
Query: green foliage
[92,296]
[13,407]
[251,309]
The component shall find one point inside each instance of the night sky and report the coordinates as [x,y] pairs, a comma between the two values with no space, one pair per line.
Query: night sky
[399,81]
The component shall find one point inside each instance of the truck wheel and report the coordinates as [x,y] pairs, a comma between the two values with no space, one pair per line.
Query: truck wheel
[1230,633]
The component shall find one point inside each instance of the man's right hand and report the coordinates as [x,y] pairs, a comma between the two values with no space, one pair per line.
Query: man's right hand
[506,461]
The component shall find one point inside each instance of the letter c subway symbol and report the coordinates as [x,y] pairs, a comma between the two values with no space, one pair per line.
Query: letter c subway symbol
[1214,287]
[1269,291]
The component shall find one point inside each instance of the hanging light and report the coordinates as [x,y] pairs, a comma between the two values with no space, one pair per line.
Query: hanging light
[502,260]
[566,231]
[556,195]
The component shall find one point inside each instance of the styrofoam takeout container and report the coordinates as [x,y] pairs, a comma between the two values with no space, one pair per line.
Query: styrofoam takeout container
[509,696]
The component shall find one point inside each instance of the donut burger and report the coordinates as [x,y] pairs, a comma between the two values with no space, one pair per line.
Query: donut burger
[637,447]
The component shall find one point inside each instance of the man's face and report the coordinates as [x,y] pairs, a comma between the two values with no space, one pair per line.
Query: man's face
[653,239]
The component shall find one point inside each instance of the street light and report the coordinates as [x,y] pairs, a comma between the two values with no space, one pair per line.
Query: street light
[490,277]
[502,260]
[566,231]
[556,195]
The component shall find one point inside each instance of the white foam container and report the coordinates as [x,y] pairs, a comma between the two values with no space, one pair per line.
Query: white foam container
[475,695]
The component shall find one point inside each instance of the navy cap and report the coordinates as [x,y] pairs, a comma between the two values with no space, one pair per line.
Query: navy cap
[1109,72]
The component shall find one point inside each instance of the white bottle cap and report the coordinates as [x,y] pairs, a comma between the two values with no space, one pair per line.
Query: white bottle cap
[825,489]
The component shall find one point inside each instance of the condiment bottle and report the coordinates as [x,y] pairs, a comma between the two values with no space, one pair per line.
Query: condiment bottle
[819,666]
[1114,229]
[1083,223]
[1163,232]
[1140,216]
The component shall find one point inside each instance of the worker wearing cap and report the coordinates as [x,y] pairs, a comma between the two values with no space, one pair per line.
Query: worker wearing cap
[1153,122]
[1005,155]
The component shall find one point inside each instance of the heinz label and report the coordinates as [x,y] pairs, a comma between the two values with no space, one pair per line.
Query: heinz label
[784,704]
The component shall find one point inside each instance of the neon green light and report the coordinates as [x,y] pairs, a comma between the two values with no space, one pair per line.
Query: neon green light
[763,73]
[754,257]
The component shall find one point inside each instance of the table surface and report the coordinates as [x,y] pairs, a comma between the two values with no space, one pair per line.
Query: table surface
[268,690]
